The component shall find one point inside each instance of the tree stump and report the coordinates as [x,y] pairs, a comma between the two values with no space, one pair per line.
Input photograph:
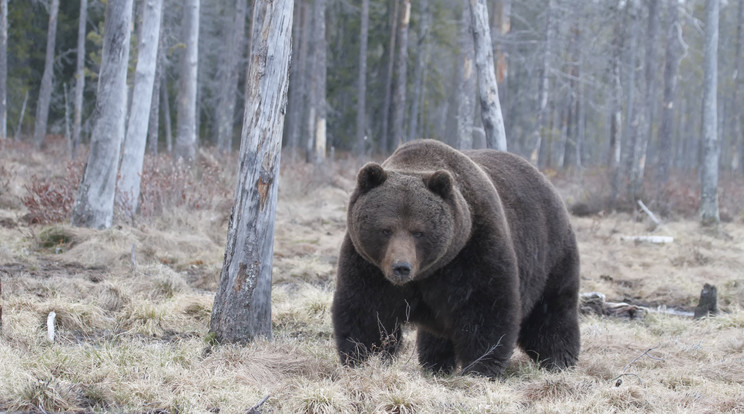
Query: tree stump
[708,304]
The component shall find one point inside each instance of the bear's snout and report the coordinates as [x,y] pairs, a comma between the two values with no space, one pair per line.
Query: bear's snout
[402,269]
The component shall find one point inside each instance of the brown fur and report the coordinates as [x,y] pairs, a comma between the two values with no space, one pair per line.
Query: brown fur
[475,248]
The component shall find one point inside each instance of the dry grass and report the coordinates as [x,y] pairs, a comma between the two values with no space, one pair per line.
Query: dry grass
[136,340]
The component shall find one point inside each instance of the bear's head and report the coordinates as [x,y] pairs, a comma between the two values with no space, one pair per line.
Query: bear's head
[408,224]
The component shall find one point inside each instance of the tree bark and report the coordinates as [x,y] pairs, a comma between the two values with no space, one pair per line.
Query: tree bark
[153,127]
[20,118]
[493,121]
[543,88]
[418,73]
[298,94]
[318,109]
[167,116]
[361,118]
[186,129]
[3,69]
[647,111]
[133,156]
[709,179]
[77,117]
[384,139]
[666,128]
[466,90]
[242,305]
[401,70]
[616,108]
[228,75]
[94,204]
[45,92]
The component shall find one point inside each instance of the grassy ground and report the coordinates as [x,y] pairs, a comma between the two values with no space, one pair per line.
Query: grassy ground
[135,339]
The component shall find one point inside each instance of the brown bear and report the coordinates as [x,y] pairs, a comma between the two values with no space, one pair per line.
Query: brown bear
[475,248]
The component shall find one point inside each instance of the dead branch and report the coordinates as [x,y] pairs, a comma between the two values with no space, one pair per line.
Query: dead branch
[650,214]
[618,380]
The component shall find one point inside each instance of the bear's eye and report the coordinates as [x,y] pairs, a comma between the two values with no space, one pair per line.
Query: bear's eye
[417,234]
[386,232]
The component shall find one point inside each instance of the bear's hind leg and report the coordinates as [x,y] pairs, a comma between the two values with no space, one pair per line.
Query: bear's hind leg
[550,335]
[435,353]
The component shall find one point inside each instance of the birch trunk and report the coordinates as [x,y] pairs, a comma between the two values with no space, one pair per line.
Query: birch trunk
[186,129]
[384,138]
[616,114]
[466,89]
[401,69]
[94,204]
[543,88]
[228,74]
[418,73]
[361,116]
[133,156]
[709,178]
[493,121]
[167,116]
[45,92]
[242,305]
[3,68]
[319,82]
[153,127]
[298,80]
[77,117]
[671,67]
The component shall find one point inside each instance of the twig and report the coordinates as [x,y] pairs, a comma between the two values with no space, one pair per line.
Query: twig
[618,381]
[254,409]
[480,358]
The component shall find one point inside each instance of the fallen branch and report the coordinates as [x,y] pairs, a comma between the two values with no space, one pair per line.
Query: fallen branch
[618,380]
[650,214]
[649,239]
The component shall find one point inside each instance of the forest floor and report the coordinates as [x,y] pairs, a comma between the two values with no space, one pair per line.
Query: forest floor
[134,338]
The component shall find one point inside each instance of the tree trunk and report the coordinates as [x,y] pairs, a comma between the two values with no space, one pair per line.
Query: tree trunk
[242,305]
[644,128]
[418,74]
[20,118]
[319,81]
[616,110]
[543,87]
[298,94]
[737,132]
[401,70]
[186,129]
[94,204]
[384,138]
[466,88]
[228,75]
[361,116]
[77,117]
[133,156]
[709,179]
[167,115]
[493,122]
[153,127]
[45,93]
[666,129]
[3,68]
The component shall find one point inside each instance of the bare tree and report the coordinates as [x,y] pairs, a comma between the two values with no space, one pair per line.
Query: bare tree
[298,94]
[361,119]
[3,68]
[242,305]
[493,121]
[134,144]
[401,69]
[317,124]
[94,204]
[709,178]
[186,129]
[384,139]
[616,108]
[45,93]
[77,116]
[228,76]
[466,88]
[671,67]
[422,47]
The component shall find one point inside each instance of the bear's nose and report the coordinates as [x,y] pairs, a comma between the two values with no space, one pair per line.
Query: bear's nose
[401,269]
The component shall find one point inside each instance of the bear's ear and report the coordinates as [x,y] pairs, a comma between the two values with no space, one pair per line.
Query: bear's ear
[370,176]
[440,183]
